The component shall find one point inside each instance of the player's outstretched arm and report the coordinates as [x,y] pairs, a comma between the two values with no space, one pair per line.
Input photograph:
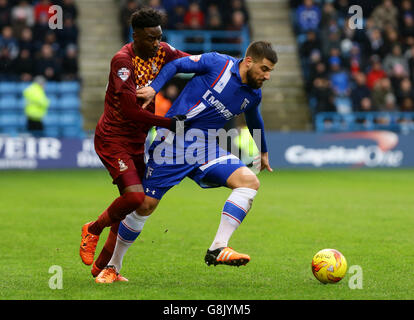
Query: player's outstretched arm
[191,64]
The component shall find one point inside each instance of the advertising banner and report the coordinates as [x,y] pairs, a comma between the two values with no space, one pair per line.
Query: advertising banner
[368,149]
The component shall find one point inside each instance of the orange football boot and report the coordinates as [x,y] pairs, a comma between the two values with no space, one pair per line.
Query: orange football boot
[96,271]
[226,256]
[109,275]
[88,245]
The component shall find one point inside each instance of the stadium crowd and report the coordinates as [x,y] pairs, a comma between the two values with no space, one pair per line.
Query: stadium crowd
[191,14]
[214,15]
[349,69]
[28,47]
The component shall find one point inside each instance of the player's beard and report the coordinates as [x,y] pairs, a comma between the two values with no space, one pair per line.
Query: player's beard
[251,82]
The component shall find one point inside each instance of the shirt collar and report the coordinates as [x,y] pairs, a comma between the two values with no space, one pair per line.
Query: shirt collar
[235,68]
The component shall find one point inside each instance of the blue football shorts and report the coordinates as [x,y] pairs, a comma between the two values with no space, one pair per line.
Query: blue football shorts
[160,177]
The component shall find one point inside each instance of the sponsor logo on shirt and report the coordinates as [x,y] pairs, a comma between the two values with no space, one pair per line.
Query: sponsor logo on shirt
[220,107]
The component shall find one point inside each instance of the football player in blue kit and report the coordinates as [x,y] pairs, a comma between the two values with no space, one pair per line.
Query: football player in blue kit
[222,87]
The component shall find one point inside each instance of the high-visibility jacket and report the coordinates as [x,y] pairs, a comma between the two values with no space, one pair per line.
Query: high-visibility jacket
[37,102]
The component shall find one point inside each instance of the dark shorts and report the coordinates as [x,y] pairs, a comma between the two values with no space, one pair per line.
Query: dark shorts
[125,165]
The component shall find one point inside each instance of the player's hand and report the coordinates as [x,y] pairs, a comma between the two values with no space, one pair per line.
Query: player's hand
[264,162]
[178,123]
[146,94]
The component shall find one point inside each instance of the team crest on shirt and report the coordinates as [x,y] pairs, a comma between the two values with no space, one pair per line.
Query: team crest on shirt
[195,58]
[122,165]
[123,73]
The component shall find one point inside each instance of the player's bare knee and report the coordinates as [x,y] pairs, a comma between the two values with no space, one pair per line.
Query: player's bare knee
[253,183]
[147,207]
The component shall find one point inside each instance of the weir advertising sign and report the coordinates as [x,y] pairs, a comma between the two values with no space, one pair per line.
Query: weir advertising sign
[368,149]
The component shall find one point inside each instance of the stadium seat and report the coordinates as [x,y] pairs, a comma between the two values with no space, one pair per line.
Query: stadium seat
[51,87]
[69,102]
[8,102]
[21,104]
[12,122]
[7,87]
[68,87]
[22,86]
[70,119]
[51,132]
[54,102]
[72,132]
[52,119]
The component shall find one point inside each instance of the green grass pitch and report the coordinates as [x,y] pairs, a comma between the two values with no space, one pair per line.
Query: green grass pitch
[366,214]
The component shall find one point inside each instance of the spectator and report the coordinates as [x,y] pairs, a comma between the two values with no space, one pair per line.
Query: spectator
[376,43]
[308,17]
[213,17]
[176,18]
[238,5]
[50,39]
[339,78]
[410,58]
[6,65]
[382,95]
[170,5]
[214,23]
[26,41]
[397,76]
[385,13]
[36,105]
[355,61]
[405,90]
[7,40]
[323,94]
[407,28]
[47,65]
[24,66]
[22,16]
[125,14]
[365,105]
[69,34]
[157,5]
[310,44]
[406,7]
[332,43]
[317,70]
[407,105]
[194,17]
[328,13]
[395,58]
[376,72]
[70,9]
[5,15]
[360,91]
[40,29]
[237,21]
[41,11]
[70,63]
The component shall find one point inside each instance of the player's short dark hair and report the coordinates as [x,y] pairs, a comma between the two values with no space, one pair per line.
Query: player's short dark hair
[259,50]
[146,18]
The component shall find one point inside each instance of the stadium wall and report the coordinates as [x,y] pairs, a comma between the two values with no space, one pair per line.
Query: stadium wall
[367,149]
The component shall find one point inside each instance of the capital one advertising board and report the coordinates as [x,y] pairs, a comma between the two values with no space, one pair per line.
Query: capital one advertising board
[368,149]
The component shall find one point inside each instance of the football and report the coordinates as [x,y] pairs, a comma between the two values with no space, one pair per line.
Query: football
[329,266]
